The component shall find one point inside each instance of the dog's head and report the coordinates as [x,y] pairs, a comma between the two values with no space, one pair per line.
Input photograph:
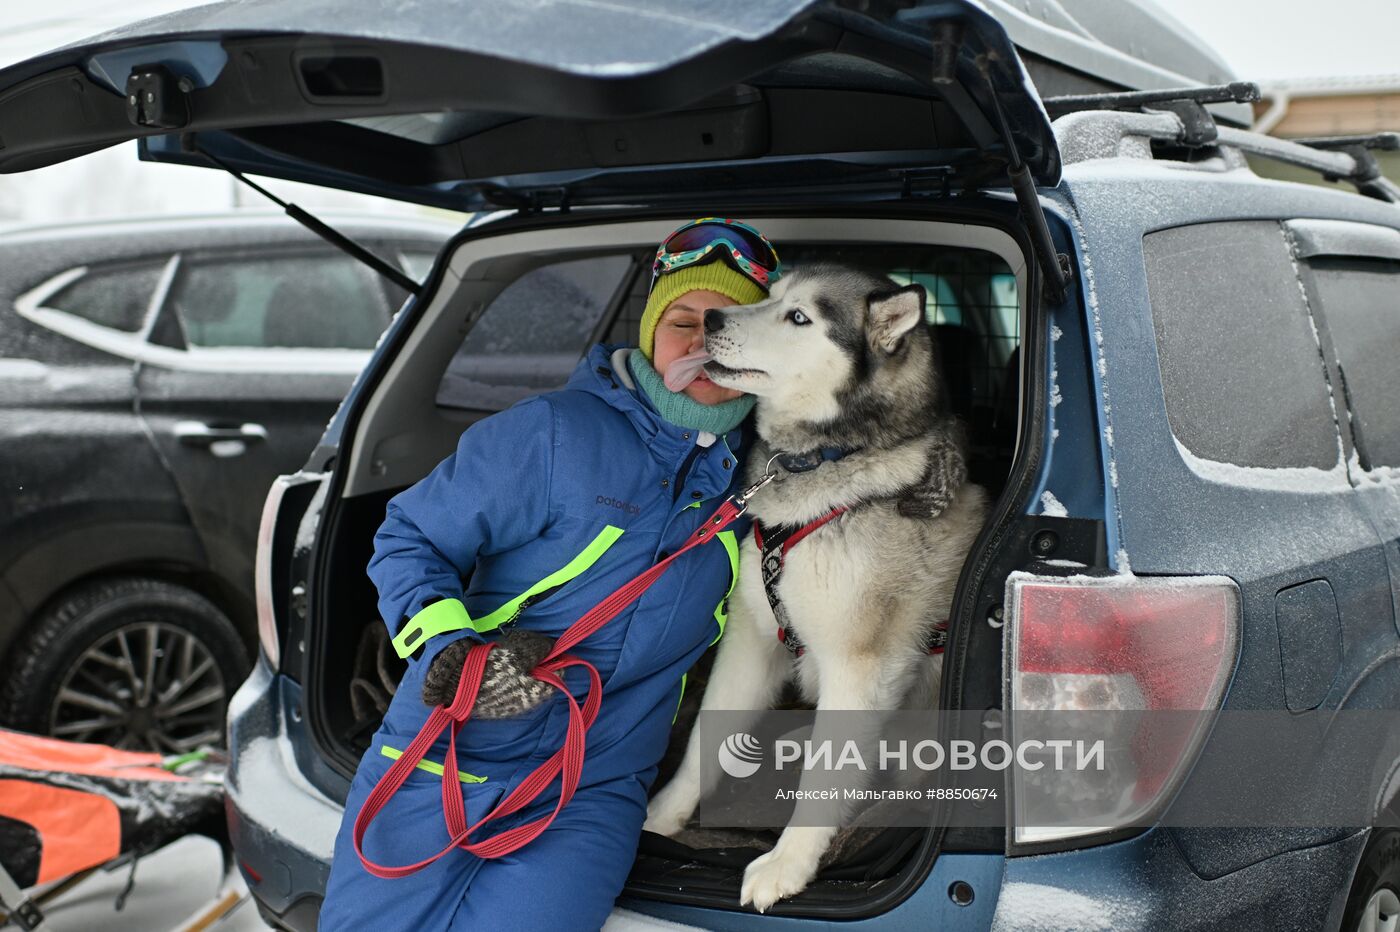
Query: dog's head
[829,343]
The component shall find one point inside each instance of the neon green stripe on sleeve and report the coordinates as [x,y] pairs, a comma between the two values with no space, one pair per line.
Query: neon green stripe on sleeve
[451,614]
[438,618]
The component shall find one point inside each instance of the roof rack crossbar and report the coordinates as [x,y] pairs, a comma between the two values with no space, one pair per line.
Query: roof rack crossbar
[1367,174]
[1238,92]
[1382,142]
[1188,103]
[1336,158]
[1352,163]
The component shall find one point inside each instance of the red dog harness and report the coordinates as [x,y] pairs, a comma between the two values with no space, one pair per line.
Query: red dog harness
[566,763]
[774,543]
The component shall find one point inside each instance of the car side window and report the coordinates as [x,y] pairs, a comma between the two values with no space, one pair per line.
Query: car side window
[530,337]
[1358,301]
[1241,367]
[115,296]
[307,301]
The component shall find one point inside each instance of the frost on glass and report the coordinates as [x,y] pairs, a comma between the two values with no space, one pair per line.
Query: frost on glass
[1358,298]
[1243,379]
[117,296]
[530,337]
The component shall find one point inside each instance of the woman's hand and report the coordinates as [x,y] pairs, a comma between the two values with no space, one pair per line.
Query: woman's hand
[507,688]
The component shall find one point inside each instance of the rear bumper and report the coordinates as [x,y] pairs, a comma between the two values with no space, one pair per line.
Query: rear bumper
[283,828]
[1142,883]
[1147,883]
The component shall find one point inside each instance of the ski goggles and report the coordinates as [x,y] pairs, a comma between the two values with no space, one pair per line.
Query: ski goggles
[710,238]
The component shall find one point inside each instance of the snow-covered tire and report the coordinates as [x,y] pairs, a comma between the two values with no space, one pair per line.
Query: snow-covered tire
[130,661]
[1374,902]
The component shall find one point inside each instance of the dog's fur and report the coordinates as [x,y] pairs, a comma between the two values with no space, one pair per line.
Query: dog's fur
[863,590]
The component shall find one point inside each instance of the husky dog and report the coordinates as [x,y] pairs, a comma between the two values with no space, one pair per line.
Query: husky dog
[849,411]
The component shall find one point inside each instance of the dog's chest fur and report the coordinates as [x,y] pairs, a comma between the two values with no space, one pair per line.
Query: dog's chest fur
[871,581]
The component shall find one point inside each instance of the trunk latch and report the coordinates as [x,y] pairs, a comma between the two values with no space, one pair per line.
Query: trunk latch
[156,98]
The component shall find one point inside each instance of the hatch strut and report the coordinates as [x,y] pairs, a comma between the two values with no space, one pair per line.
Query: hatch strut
[1055,265]
[334,237]
[947,46]
[947,42]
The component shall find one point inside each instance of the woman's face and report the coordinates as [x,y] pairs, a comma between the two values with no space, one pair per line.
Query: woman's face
[680,331]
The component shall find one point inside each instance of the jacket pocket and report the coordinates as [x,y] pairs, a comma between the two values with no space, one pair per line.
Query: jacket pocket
[428,765]
[410,826]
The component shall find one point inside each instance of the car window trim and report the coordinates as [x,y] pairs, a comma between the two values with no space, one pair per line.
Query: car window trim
[159,299]
[1342,240]
[135,346]
[403,251]
[1349,239]
[33,300]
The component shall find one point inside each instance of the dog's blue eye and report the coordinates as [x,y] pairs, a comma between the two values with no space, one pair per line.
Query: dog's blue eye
[797,317]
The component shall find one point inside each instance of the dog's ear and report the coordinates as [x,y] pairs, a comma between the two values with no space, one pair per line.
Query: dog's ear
[893,314]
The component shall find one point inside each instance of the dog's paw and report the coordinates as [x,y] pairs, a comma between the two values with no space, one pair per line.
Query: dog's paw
[667,824]
[665,815]
[775,876]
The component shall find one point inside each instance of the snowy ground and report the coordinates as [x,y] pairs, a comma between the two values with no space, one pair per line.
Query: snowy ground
[172,884]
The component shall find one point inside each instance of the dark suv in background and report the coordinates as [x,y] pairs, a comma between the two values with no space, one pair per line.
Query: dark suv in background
[155,376]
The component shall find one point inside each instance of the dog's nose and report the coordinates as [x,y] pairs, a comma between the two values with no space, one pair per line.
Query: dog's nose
[714,320]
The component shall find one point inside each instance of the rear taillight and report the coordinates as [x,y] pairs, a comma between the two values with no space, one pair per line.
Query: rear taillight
[1162,648]
[262,572]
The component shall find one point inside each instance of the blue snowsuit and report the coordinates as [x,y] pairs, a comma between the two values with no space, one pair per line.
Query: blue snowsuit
[590,478]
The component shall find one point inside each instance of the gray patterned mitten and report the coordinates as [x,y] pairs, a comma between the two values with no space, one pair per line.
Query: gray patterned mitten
[507,688]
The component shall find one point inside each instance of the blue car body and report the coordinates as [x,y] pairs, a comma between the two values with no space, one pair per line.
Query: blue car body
[1171,521]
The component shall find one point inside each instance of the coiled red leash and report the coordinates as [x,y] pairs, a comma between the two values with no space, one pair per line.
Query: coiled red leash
[566,763]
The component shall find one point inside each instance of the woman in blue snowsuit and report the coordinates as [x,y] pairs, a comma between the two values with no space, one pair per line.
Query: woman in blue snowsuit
[550,506]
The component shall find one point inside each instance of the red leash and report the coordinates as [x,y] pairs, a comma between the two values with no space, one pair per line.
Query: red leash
[566,763]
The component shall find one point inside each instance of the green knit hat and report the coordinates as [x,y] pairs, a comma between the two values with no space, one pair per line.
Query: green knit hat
[715,275]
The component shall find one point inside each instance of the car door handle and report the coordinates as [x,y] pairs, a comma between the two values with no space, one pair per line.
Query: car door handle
[199,434]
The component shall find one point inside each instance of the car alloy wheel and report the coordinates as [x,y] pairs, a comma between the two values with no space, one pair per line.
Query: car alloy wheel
[148,685]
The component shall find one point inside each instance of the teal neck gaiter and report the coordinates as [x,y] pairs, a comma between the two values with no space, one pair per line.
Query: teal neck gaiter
[682,410]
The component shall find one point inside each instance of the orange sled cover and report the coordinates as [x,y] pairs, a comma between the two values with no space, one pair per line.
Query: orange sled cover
[65,807]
